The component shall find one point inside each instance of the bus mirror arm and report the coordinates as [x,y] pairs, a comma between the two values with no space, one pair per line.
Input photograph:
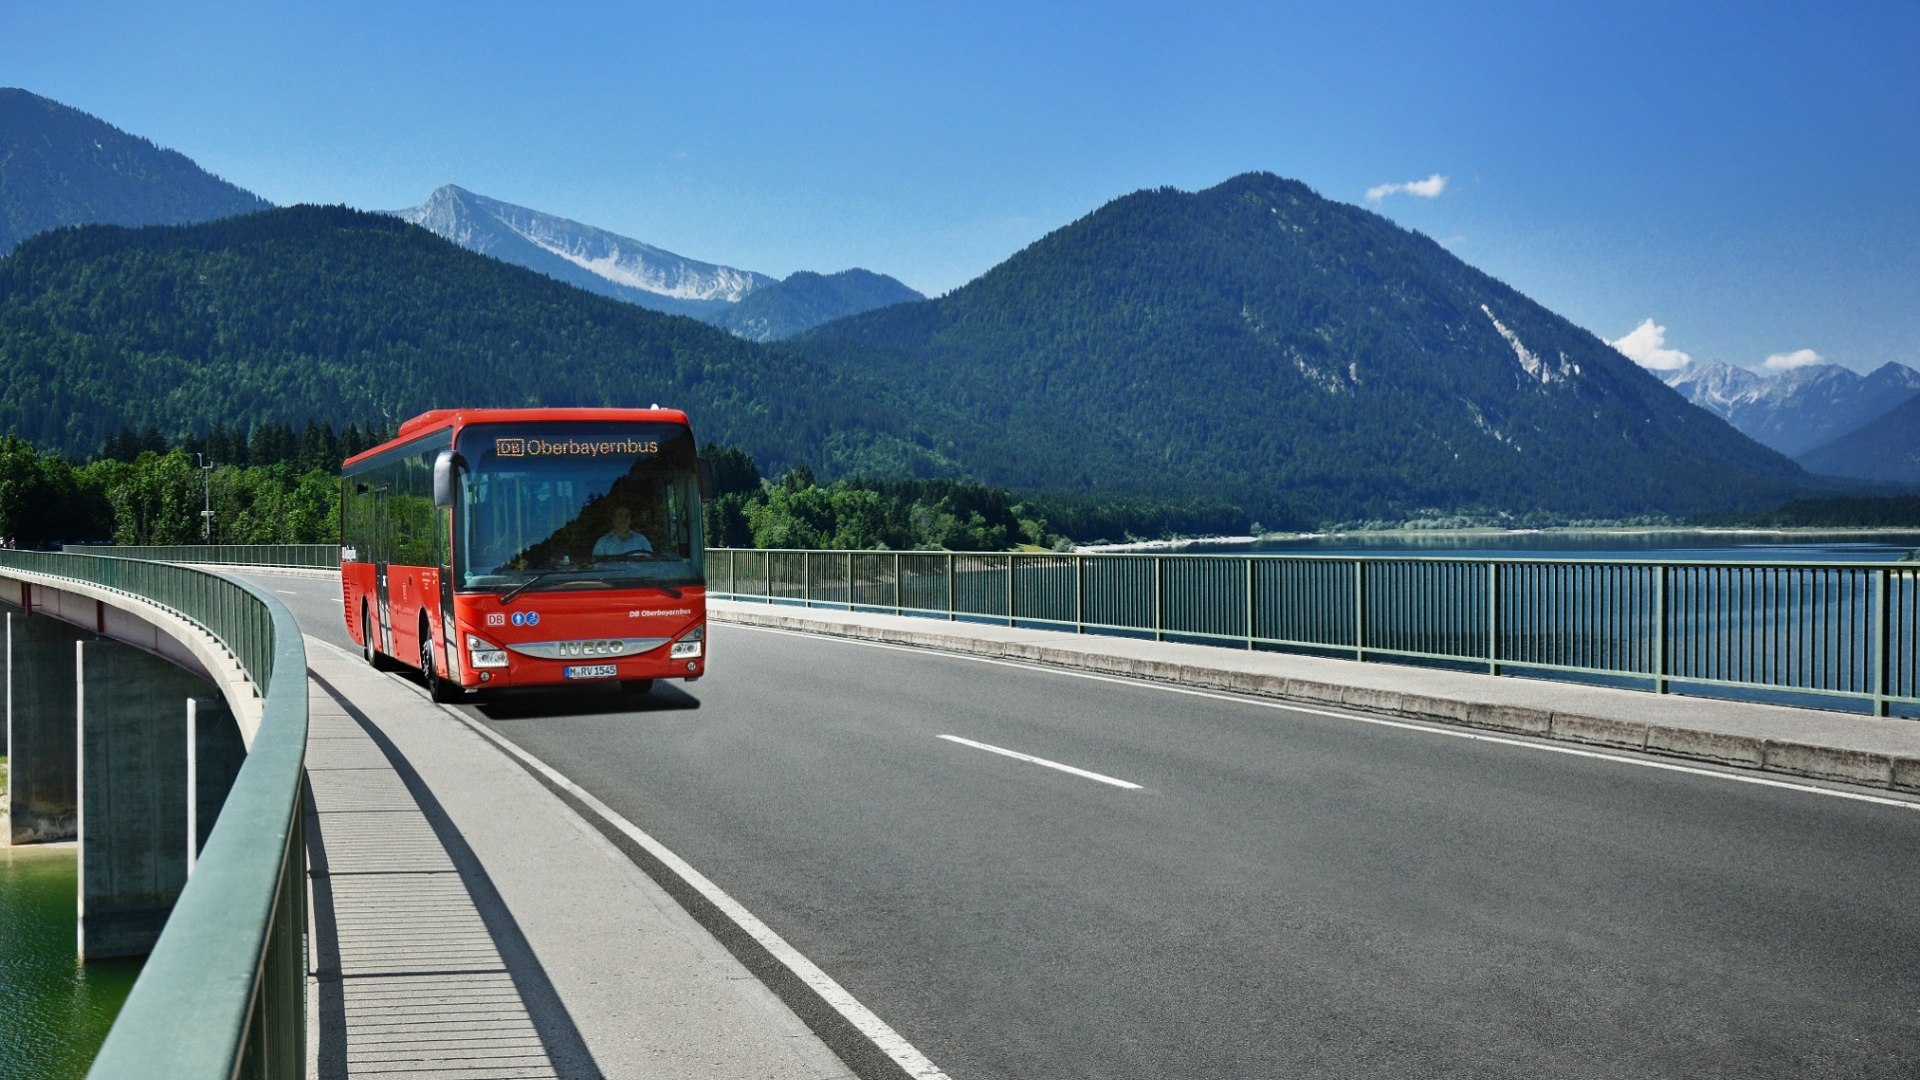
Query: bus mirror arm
[445,466]
[706,481]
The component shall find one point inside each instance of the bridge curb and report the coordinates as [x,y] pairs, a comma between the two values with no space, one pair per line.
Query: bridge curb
[1888,771]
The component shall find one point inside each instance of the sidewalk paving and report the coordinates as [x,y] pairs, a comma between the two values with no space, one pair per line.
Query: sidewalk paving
[468,923]
[1817,743]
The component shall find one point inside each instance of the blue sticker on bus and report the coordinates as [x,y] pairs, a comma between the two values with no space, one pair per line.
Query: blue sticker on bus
[519,618]
[533,618]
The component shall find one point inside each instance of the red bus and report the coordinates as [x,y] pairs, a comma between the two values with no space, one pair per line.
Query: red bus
[497,548]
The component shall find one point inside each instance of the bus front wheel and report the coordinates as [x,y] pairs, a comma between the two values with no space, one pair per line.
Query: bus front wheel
[369,643]
[438,687]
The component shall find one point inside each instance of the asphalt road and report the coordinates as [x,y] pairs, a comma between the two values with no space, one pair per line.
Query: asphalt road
[1286,893]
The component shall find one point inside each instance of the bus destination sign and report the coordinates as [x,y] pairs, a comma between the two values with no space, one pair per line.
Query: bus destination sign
[522,447]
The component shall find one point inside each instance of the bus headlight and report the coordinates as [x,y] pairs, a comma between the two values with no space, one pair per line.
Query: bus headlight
[485,654]
[689,644]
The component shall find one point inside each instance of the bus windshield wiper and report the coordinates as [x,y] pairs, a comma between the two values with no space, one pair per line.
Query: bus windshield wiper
[507,597]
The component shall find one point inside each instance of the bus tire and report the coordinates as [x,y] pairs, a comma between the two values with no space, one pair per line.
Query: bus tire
[438,688]
[370,643]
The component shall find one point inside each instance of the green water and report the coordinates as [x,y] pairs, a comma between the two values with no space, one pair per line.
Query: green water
[54,1011]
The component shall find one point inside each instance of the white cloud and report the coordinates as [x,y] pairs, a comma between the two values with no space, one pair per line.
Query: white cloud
[1647,346]
[1430,188]
[1796,359]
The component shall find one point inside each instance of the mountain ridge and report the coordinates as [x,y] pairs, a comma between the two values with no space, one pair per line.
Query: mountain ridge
[1798,410]
[747,303]
[584,256]
[1884,450]
[60,166]
[1254,336]
[1251,344]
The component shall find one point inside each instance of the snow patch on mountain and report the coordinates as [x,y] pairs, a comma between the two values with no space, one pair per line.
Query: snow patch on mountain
[1532,364]
[593,258]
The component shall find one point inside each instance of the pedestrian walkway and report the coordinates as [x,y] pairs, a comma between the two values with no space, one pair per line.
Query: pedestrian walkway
[467,923]
[1817,743]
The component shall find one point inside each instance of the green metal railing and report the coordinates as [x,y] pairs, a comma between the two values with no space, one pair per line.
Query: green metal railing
[224,992]
[315,556]
[1846,631]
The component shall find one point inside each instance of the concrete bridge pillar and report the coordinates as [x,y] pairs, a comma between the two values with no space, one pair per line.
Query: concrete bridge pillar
[43,795]
[133,757]
[216,751]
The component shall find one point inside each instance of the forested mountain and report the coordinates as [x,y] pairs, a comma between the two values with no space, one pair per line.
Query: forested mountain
[1250,346]
[806,299]
[1303,358]
[751,305]
[1886,450]
[1796,410]
[340,316]
[60,166]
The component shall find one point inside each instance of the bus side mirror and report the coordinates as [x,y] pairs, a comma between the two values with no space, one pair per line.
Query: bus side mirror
[445,465]
[706,481]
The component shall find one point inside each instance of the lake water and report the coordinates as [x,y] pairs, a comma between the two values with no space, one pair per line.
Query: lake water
[1680,545]
[54,1011]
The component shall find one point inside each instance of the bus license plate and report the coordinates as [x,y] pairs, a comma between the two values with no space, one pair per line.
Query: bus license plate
[591,671]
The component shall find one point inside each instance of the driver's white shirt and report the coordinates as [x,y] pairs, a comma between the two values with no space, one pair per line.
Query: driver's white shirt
[615,544]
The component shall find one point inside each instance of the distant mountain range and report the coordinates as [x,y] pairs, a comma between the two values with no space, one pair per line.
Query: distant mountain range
[335,315]
[1800,409]
[1886,449]
[59,166]
[751,305]
[1251,344]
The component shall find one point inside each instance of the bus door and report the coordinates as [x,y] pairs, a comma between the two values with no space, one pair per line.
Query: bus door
[383,606]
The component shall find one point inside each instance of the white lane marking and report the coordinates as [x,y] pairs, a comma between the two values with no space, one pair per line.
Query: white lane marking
[1405,725]
[888,1040]
[286,592]
[1030,759]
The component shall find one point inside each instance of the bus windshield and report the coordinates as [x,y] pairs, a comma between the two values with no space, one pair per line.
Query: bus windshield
[577,506]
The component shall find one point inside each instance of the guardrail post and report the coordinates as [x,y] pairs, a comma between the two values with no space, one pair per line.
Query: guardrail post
[953,603]
[1251,606]
[806,579]
[1159,598]
[1883,645]
[896,584]
[1493,618]
[1079,594]
[849,581]
[1660,628]
[1009,588]
[1359,609]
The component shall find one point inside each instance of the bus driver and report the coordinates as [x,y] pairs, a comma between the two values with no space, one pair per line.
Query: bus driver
[622,540]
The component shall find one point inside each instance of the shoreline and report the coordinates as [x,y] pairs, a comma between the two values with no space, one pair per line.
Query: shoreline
[1571,531]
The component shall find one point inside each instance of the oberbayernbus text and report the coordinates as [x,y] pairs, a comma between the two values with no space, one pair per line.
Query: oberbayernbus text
[503,548]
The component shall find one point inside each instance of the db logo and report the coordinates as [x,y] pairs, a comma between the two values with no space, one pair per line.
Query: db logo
[496,618]
[510,447]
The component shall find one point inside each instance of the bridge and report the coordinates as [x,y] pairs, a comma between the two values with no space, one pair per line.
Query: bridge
[877,844]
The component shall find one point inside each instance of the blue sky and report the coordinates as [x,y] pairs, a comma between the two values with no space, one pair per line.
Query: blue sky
[1746,176]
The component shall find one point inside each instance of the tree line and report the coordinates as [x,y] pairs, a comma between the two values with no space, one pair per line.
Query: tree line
[269,485]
